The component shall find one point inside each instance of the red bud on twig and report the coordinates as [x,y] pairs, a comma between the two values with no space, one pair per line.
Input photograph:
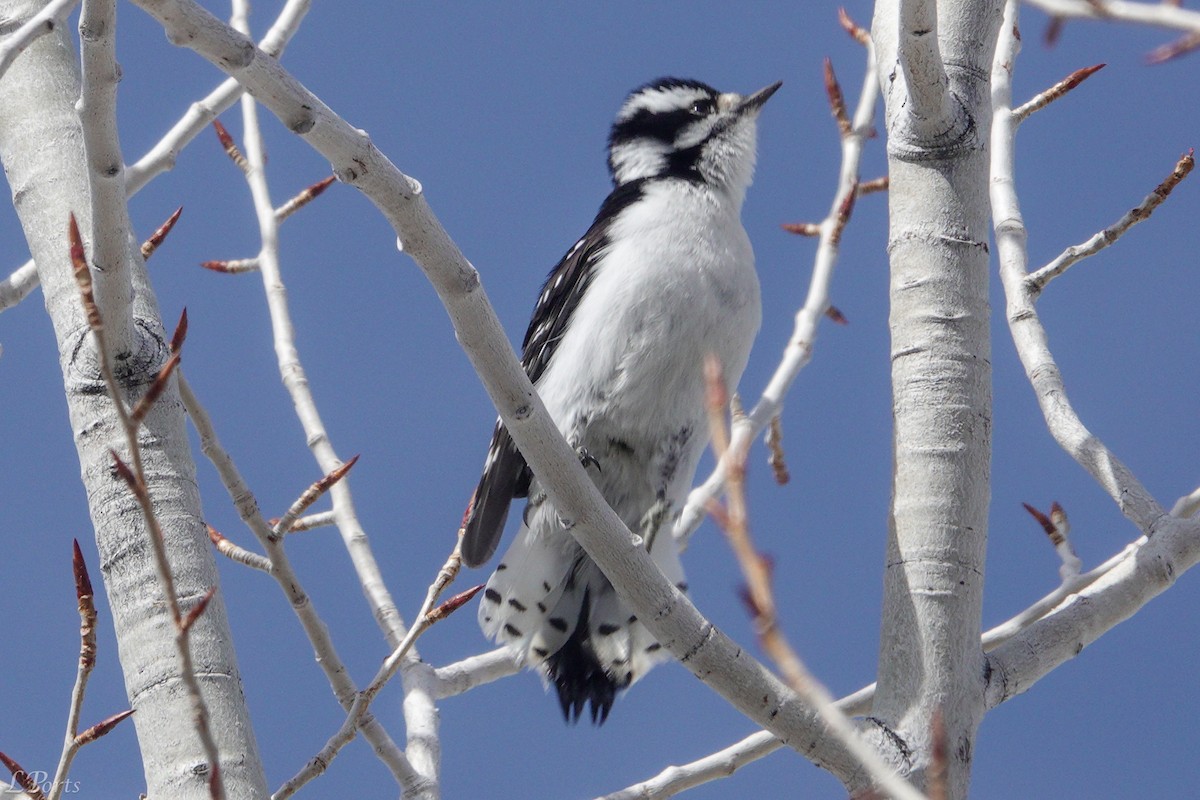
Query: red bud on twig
[156,238]
[231,149]
[448,607]
[802,228]
[197,610]
[23,778]
[181,329]
[100,728]
[859,34]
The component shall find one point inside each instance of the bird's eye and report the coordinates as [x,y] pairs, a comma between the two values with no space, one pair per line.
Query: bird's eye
[702,108]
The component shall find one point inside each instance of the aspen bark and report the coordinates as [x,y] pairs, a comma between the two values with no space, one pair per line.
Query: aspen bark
[41,145]
[934,65]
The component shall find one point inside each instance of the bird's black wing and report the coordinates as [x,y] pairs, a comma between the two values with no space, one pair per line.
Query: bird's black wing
[505,473]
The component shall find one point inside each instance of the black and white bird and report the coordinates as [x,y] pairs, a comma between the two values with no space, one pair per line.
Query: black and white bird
[616,348]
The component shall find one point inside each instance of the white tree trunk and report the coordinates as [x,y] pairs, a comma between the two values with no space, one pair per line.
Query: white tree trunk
[41,144]
[934,64]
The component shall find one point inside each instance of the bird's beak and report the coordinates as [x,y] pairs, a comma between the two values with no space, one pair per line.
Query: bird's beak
[754,102]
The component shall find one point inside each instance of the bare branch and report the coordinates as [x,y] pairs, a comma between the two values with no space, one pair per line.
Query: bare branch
[723,763]
[1187,505]
[759,596]
[1056,91]
[85,598]
[1180,47]
[321,519]
[925,79]
[426,617]
[17,286]
[1028,334]
[163,155]
[1144,570]
[1159,15]
[236,553]
[38,25]
[417,770]
[110,227]
[1076,253]
[279,566]
[462,676]
[311,495]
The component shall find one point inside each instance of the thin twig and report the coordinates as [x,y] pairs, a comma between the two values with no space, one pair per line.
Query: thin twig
[233,266]
[428,615]
[1058,529]
[857,32]
[321,519]
[415,771]
[237,553]
[303,198]
[776,460]
[1187,505]
[462,676]
[1076,253]
[872,186]
[1043,99]
[760,598]
[1021,289]
[277,564]
[109,217]
[41,23]
[799,349]
[311,495]
[85,599]
[1180,47]
[136,480]
[19,285]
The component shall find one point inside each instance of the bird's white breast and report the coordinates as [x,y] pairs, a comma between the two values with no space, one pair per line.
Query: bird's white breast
[676,283]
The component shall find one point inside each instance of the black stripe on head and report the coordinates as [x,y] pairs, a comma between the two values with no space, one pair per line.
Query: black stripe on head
[655,114]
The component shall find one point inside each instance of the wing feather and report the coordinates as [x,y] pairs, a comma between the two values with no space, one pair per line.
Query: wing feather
[505,473]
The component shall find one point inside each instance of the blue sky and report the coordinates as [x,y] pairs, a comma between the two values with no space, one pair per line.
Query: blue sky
[502,113]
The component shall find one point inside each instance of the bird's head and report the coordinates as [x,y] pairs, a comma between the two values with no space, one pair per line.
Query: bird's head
[687,129]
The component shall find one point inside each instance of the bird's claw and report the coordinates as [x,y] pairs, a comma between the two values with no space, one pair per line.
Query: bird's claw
[587,459]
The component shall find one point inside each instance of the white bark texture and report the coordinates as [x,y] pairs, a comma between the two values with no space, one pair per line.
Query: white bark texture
[41,143]
[934,63]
